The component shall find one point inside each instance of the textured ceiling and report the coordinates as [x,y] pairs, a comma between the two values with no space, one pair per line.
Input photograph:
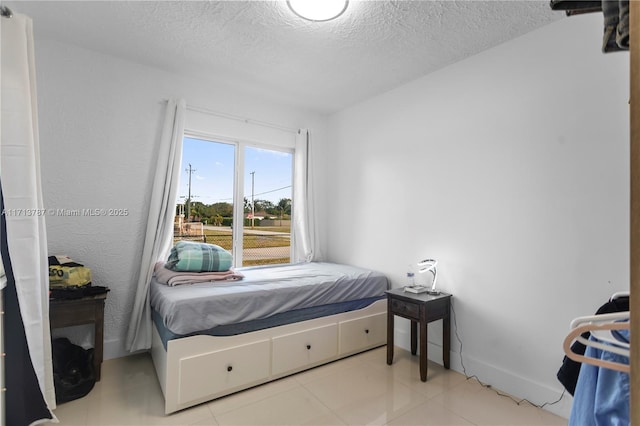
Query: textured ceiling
[263,48]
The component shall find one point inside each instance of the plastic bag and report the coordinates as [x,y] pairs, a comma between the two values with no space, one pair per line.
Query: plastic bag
[73,370]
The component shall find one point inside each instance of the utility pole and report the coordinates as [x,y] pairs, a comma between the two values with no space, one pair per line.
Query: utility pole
[253,210]
[190,171]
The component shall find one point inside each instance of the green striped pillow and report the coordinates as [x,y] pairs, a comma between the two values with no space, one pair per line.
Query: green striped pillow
[189,256]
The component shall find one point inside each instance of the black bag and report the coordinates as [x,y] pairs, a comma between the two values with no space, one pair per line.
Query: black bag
[73,371]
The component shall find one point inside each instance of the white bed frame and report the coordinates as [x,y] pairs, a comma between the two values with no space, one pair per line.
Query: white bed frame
[196,369]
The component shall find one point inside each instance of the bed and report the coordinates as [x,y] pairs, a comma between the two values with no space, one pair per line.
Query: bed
[215,338]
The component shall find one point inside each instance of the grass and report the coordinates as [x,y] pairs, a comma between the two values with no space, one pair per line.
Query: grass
[273,261]
[283,229]
[223,239]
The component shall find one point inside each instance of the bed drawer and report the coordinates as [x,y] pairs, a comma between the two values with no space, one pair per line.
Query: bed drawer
[297,350]
[362,333]
[214,372]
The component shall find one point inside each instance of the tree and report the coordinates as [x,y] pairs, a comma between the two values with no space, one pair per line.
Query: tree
[284,205]
[197,209]
[222,209]
[264,206]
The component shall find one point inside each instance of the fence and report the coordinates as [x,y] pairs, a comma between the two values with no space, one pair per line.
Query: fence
[259,248]
[192,231]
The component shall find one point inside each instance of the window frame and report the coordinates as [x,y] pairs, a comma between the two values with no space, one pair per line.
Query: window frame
[238,186]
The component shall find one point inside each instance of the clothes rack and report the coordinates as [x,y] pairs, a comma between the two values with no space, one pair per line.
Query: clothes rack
[619,294]
[602,327]
[603,335]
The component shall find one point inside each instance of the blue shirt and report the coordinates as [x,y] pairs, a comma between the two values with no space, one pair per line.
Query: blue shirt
[602,395]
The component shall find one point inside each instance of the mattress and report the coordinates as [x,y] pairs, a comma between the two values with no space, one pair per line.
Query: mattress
[264,292]
[275,320]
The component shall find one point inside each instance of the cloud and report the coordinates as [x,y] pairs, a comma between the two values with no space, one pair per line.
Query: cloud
[273,152]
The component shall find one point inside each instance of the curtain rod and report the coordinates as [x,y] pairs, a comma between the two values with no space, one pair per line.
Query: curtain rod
[239,118]
[5,12]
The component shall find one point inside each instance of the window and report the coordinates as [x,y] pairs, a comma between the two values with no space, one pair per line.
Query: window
[238,196]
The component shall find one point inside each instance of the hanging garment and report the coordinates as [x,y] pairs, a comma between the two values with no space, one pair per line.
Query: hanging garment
[622,34]
[576,7]
[602,395]
[570,369]
[575,4]
[616,19]
[24,401]
[583,11]
[616,25]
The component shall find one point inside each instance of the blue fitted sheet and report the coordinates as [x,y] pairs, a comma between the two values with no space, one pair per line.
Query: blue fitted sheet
[264,292]
[276,320]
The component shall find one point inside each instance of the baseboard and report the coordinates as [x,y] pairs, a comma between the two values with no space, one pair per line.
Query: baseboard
[506,381]
[114,348]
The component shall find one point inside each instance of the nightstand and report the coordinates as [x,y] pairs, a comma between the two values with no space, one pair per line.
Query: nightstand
[85,310]
[421,309]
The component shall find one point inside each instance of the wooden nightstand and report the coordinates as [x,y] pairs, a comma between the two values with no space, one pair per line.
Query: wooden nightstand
[86,310]
[421,309]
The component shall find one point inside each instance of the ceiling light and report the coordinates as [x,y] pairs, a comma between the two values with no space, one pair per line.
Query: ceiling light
[318,10]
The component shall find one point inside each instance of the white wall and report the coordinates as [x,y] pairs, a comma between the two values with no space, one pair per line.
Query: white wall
[100,120]
[510,168]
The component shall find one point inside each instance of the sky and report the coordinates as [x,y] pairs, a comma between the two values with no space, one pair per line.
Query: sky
[212,165]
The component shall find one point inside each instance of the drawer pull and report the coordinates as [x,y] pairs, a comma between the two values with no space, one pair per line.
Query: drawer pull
[229,368]
[309,347]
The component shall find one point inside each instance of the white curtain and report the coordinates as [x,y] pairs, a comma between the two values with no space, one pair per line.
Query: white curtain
[303,230]
[21,184]
[159,233]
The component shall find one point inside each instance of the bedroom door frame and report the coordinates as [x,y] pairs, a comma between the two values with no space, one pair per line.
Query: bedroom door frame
[634,228]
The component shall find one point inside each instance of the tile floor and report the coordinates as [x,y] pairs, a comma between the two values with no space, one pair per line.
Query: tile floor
[355,391]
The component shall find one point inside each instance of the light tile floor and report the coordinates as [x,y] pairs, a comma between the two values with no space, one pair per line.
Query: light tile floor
[358,390]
